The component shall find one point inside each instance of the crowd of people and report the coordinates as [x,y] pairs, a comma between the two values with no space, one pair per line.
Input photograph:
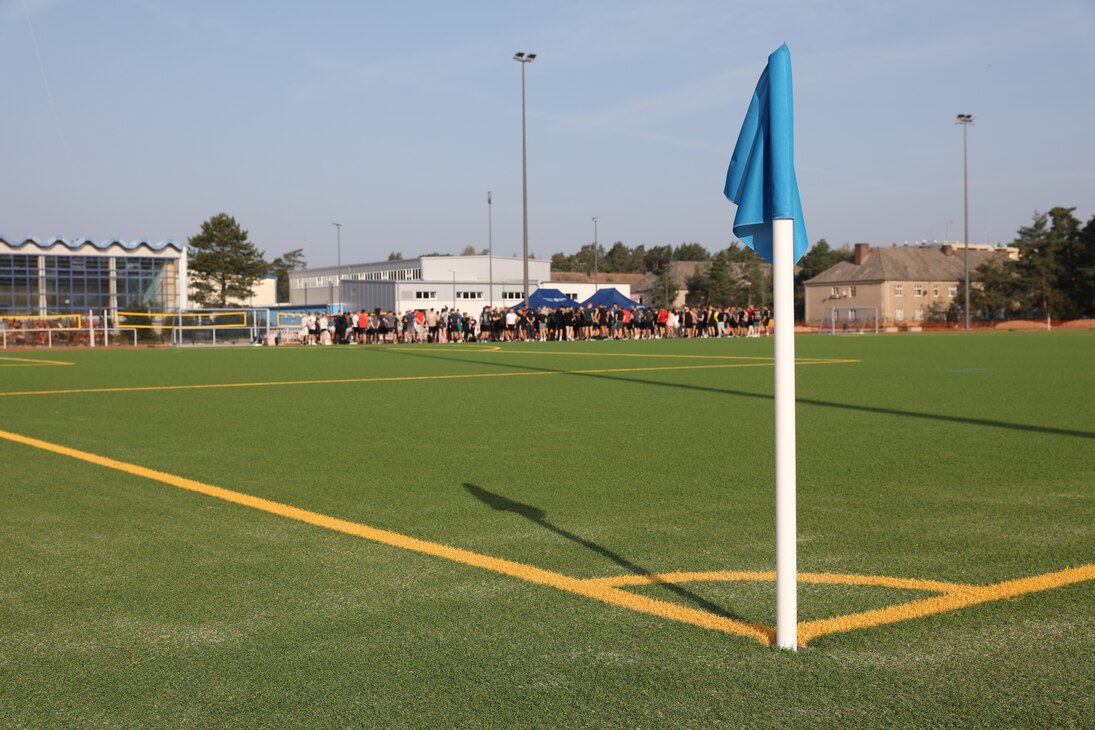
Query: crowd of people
[533,325]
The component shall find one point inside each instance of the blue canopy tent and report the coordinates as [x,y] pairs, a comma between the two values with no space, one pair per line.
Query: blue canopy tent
[608,297]
[547,298]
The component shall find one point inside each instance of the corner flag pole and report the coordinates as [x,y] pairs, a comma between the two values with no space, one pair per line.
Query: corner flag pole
[761,181]
[786,478]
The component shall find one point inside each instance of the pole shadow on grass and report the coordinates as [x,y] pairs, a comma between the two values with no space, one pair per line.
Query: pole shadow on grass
[539,517]
[965,420]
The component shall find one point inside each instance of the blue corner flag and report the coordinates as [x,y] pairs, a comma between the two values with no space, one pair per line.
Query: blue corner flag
[761,178]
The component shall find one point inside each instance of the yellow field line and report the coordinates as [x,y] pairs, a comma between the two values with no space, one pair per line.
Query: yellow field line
[882,581]
[30,362]
[532,574]
[393,379]
[970,596]
[608,590]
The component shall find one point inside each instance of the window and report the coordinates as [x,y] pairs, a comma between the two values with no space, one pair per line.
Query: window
[851,290]
[899,315]
[514,295]
[952,291]
[918,315]
[918,290]
[898,290]
[574,295]
[425,295]
[835,291]
[935,291]
[851,315]
[469,295]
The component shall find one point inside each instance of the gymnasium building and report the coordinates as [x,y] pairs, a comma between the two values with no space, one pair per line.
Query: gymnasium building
[61,276]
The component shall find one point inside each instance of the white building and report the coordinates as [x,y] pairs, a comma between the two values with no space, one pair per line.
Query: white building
[463,282]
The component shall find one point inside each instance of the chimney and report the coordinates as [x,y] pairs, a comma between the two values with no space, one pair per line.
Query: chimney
[948,250]
[862,251]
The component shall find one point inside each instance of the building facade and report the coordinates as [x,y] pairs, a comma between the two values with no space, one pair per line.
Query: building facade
[906,284]
[60,276]
[428,282]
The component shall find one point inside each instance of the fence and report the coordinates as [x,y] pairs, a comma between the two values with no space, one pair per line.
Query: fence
[133,328]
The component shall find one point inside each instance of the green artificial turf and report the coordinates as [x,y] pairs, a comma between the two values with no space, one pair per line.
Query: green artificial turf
[127,602]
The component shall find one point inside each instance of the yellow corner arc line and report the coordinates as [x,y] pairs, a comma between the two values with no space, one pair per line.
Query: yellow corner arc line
[608,590]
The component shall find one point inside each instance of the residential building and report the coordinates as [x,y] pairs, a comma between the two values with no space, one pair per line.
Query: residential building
[907,284]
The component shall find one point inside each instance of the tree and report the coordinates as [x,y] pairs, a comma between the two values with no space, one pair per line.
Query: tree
[1084,295]
[617,259]
[718,284]
[395,256]
[691,252]
[224,265]
[696,286]
[561,262]
[657,259]
[282,265]
[665,293]
[468,251]
[1040,267]
[1054,275]
[995,295]
[588,258]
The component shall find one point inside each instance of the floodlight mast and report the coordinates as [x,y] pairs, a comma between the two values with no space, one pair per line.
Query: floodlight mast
[524,58]
[966,120]
[594,253]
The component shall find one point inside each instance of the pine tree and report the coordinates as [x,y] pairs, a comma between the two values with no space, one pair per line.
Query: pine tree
[224,266]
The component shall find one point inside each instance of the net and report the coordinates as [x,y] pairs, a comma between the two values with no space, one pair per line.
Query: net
[183,320]
[849,321]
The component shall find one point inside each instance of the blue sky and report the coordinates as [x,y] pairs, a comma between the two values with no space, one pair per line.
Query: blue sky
[142,118]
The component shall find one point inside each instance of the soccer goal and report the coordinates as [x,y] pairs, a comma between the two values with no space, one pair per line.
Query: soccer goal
[207,326]
[849,321]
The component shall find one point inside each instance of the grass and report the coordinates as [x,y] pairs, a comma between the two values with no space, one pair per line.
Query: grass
[944,457]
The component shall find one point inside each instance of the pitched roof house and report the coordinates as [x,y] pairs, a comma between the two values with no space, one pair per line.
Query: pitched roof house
[904,283]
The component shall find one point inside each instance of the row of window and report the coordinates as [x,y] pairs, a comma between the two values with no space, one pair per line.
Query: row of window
[79,283]
[899,315]
[898,291]
[510,295]
[919,290]
[315,282]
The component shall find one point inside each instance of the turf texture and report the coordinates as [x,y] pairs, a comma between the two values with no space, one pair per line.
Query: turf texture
[127,602]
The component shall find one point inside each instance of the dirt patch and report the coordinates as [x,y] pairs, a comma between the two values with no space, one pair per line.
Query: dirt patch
[1019,325]
[1030,325]
[1076,324]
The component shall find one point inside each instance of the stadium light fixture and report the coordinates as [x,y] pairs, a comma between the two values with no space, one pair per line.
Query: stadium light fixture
[524,59]
[966,120]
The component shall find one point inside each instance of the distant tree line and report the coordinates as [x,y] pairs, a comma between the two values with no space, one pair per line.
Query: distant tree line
[1054,275]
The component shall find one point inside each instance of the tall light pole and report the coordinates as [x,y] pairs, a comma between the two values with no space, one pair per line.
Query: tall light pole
[595,254]
[490,249]
[966,120]
[338,238]
[524,59]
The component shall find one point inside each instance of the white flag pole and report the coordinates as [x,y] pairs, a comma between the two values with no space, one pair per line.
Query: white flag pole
[783,278]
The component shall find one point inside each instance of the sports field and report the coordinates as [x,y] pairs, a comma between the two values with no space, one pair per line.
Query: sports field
[547,534]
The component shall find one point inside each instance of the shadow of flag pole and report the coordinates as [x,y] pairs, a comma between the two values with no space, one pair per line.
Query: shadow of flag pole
[761,181]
